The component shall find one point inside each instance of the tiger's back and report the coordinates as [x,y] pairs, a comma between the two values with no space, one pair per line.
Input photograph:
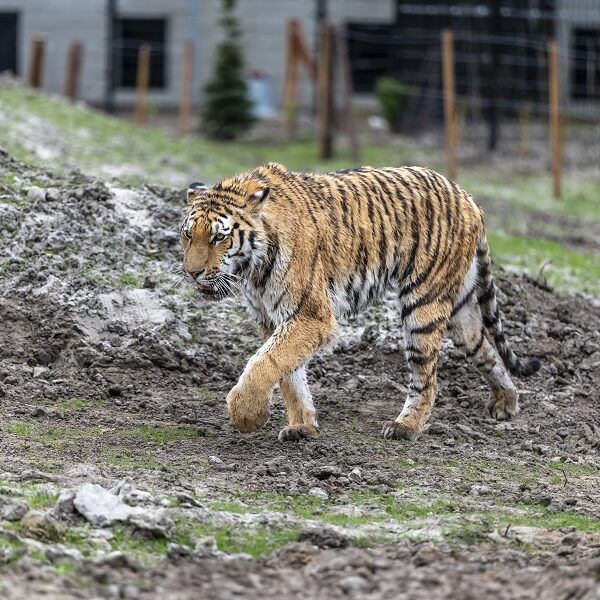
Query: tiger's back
[374,229]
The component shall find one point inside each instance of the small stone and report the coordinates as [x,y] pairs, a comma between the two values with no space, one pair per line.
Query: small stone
[326,471]
[12,510]
[83,470]
[425,555]
[36,194]
[118,560]
[356,474]
[177,552]
[319,493]
[38,412]
[353,583]
[572,539]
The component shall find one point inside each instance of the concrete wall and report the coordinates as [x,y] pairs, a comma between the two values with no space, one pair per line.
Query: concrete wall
[61,22]
[263,23]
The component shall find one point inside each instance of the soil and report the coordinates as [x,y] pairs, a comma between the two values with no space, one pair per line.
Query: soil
[112,367]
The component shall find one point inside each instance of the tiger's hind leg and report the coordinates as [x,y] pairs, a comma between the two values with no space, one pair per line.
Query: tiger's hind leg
[469,335]
[300,408]
[423,330]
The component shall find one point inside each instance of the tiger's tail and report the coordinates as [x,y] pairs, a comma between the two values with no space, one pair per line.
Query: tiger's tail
[486,297]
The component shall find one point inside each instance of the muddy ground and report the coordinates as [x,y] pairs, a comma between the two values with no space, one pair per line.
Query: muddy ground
[113,372]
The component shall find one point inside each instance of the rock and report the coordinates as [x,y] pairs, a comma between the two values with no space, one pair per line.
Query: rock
[64,507]
[353,583]
[326,471]
[125,490]
[426,555]
[101,508]
[572,539]
[38,412]
[118,560]
[370,333]
[479,489]
[151,523]
[356,474]
[177,552]
[468,432]
[83,470]
[319,493]
[205,547]
[12,510]
[36,194]
[323,538]
[59,552]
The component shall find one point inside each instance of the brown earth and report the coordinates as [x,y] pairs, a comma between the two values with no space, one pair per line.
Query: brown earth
[102,378]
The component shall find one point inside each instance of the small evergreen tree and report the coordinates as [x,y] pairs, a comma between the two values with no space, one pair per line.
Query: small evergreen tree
[227,110]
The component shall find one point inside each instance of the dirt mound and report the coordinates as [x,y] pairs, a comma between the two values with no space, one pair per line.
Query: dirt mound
[110,368]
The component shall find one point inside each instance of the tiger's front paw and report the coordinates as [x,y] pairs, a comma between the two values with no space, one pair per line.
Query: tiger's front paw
[295,433]
[393,430]
[248,409]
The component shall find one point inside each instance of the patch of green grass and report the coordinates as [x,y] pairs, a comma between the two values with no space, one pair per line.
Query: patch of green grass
[71,405]
[147,550]
[64,568]
[255,541]
[11,549]
[534,193]
[42,499]
[23,430]
[566,269]
[130,280]
[132,461]
[536,515]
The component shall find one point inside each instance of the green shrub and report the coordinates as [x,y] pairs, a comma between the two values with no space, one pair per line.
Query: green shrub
[391,95]
[226,112]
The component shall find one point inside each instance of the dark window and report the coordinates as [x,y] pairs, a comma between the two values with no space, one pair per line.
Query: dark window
[130,34]
[585,64]
[8,42]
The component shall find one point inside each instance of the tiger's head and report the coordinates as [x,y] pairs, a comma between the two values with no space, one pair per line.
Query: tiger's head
[222,233]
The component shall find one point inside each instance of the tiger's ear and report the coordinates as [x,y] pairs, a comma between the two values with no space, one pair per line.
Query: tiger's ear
[260,195]
[193,189]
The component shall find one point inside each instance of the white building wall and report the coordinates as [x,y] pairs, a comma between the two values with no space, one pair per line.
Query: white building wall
[263,23]
[61,22]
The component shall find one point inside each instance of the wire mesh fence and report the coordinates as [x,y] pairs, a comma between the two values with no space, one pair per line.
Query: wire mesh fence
[501,63]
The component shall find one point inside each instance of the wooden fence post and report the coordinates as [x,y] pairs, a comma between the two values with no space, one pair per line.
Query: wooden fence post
[36,62]
[290,86]
[347,93]
[555,133]
[449,100]
[187,78]
[325,93]
[71,81]
[141,84]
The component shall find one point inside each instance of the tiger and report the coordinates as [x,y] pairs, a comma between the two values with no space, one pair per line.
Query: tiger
[307,249]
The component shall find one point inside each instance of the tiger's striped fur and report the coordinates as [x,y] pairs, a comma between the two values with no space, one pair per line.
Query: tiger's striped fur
[308,248]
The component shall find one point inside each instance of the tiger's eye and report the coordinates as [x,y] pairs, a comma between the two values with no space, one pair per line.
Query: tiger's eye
[219,237]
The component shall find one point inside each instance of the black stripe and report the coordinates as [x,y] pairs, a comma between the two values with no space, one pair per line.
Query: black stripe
[488,295]
[422,360]
[458,307]
[429,327]
[477,346]
[491,320]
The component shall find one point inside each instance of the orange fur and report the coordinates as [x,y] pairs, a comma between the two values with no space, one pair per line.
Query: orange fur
[307,248]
